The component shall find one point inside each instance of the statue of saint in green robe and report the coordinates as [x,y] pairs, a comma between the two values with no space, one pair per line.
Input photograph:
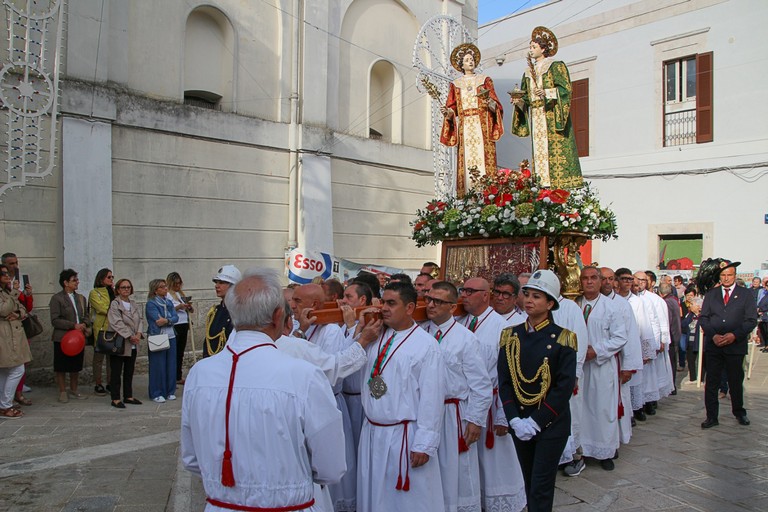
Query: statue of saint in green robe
[543,112]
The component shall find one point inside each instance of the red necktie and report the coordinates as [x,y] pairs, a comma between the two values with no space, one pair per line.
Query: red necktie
[727,296]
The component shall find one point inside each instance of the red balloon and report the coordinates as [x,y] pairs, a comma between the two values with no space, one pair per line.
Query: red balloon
[73,342]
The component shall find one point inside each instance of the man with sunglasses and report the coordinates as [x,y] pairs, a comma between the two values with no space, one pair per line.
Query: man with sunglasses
[499,466]
[505,290]
[467,399]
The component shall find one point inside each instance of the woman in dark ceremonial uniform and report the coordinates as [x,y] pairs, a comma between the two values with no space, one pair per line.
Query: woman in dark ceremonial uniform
[537,375]
[218,325]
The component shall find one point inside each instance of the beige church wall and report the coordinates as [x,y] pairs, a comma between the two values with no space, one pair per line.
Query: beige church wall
[140,45]
[363,24]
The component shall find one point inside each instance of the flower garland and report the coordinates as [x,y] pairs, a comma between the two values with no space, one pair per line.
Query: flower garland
[510,203]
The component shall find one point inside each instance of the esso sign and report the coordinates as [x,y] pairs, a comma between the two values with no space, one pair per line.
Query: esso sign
[303,266]
[302,262]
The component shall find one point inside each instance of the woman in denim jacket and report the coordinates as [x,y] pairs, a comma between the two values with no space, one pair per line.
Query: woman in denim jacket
[161,316]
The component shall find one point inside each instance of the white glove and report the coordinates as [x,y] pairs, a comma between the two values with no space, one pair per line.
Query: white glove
[533,427]
[523,430]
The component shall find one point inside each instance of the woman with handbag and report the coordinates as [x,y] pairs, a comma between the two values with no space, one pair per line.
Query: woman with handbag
[69,310]
[124,322]
[99,300]
[161,342]
[14,349]
[183,308]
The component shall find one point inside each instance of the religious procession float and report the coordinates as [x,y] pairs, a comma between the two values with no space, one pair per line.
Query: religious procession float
[495,220]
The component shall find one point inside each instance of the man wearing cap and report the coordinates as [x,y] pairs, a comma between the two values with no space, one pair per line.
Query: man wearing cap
[243,465]
[218,325]
[607,335]
[537,374]
[467,399]
[500,478]
[728,316]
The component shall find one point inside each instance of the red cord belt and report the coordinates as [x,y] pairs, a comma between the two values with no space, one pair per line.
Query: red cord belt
[462,442]
[401,485]
[489,440]
[233,506]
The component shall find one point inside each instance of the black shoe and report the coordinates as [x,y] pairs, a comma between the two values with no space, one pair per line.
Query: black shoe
[709,423]
[109,388]
[99,390]
[616,455]
[133,401]
[743,420]
[640,415]
[119,405]
[633,422]
[674,392]
[607,464]
[649,409]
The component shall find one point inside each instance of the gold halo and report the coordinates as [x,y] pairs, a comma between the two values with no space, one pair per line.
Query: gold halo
[458,54]
[548,37]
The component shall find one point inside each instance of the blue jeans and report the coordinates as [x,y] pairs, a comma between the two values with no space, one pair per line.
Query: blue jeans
[162,372]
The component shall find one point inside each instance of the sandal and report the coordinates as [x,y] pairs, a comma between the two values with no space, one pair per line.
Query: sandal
[11,413]
[21,399]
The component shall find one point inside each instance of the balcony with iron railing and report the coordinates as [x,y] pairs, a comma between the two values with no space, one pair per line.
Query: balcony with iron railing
[680,127]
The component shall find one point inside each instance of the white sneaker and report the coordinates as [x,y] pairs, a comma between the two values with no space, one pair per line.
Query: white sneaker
[25,389]
[159,400]
[171,397]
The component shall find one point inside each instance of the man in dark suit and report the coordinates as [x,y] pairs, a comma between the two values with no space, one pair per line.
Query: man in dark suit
[728,316]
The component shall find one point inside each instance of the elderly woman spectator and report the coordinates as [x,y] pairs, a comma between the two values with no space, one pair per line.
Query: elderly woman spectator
[69,311]
[124,319]
[161,316]
[14,349]
[99,300]
[183,309]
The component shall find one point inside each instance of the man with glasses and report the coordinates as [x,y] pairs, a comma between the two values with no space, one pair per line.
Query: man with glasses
[467,399]
[499,466]
[506,288]
[728,316]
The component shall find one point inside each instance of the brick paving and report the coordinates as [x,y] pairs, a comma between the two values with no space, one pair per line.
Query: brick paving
[87,456]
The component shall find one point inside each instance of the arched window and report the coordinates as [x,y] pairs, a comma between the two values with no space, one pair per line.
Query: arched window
[385,103]
[209,56]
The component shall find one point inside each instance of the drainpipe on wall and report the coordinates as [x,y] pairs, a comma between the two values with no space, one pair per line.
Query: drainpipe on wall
[294,134]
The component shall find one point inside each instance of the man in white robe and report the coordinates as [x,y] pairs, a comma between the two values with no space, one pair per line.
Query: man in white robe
[506,289]
[355,295]
[648,344]
[655,378]
[607,336]
[224,411]
[403,395]
[331,339]
[468,393]
[630,358]
[569,316]
[501,479]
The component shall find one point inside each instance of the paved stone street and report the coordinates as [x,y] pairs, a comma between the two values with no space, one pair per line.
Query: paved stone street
[88,456]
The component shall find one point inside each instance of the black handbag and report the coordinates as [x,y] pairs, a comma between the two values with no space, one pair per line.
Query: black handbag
[32,326]
[109,343]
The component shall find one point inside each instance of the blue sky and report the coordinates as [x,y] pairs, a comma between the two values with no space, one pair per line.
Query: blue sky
[489,10]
